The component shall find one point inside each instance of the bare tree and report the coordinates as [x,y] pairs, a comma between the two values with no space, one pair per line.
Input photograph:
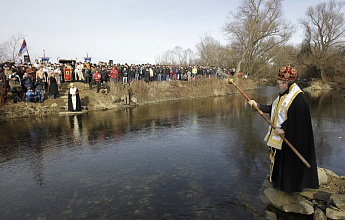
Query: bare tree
[324,29]
[9,49]
[208,50]
[177,56]
[188,57]
[257,28]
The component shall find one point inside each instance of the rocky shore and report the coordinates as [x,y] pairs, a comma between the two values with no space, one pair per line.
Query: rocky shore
[327,202]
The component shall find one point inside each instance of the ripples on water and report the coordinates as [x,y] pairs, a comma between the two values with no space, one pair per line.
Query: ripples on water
[195,159]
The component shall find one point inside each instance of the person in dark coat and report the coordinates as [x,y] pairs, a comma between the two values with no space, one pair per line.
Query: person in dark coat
[53,86]
[146,73]
[74,104]
[27,82]
[291,116]
[39,84]
[15,89]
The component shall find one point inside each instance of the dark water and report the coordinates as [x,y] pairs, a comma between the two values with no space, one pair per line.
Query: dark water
[195,159]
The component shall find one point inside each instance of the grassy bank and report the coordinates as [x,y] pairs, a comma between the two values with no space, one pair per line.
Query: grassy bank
[111,97]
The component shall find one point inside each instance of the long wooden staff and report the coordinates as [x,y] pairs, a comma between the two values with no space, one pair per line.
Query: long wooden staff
[231,81]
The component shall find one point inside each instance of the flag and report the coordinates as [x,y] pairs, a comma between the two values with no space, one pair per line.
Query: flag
[23,48]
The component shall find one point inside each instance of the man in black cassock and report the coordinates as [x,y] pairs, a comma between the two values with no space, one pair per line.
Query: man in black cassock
[74,104]
[291,116]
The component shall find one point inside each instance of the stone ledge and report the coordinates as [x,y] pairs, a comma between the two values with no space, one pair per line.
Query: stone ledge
[326,202]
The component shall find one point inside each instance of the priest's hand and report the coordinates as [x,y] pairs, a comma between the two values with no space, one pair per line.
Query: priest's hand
[251,102]
[279,131]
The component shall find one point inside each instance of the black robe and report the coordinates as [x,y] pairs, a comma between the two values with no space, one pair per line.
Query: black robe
[289,172]
[70,104]
[53,86]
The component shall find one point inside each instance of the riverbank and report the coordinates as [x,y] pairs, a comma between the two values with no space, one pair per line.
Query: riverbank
[111,96]
[326,202]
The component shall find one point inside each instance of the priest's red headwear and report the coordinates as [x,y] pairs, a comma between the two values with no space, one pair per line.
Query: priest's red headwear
[287,73]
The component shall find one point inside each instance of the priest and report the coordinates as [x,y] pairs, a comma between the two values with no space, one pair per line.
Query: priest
[290,114]
[74,104]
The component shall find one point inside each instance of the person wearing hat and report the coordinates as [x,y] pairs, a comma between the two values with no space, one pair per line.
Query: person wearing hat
[290,114]
[15,88]
[74,104]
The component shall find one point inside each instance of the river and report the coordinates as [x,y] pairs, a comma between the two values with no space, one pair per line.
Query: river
[190,159]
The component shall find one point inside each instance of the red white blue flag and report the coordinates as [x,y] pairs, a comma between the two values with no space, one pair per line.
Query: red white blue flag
[23,48]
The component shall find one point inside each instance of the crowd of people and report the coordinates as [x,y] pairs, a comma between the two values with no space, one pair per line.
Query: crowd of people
[103,72]
[29,81]
[32,81]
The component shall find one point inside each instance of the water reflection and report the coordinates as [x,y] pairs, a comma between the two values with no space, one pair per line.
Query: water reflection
[192,159]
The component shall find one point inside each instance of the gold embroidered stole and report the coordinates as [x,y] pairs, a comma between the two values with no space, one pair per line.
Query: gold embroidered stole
[279,111]
[280,107]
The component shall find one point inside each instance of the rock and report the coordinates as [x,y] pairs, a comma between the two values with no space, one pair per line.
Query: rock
[54,105]
[270,216]
[327,202]
[316,194]
[267,184]
[115,98]
[338,200]
[319,215]
[288,202]
[333,213]
[324,175]
[134,100]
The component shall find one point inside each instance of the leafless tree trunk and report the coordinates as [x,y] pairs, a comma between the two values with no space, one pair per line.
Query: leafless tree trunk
[208,50]
[324,30]
[257,27]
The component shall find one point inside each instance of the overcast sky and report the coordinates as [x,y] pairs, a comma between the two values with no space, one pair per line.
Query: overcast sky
[132,31]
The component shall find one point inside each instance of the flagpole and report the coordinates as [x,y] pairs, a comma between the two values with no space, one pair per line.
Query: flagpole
[27,50]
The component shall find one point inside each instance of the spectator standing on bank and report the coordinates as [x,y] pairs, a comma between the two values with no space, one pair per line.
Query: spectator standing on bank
[194,72]
[104,75]
[40,73]
[14,74]
[137,72]
[128,94]
[159,71]
[27,82]
[37,65]
[113,75]
[40,89]
[124,75]
[151,73]
[131,73]
[7,71]
[15,88]
[166,73]
[87,76]
[45,70]
[31,71]
[146,73]
[57,73]
[97,78]
[53,86]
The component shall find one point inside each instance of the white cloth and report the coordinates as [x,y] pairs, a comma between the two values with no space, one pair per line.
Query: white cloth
[279,111]
[73,91]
